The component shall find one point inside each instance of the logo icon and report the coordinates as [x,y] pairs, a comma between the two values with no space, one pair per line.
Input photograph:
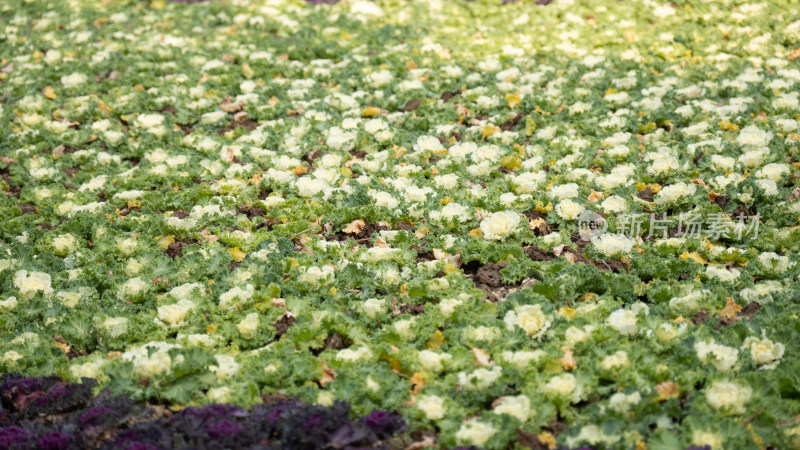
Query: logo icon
[591,225]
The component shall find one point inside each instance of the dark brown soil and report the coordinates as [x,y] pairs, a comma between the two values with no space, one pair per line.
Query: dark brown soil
[537,254]
[411,308]
[282,325]
[722,201]
[401,225]
[489,274]
[741,211]
[510,124]
[413,105]
[446,96]
[175,249]
[250,211]
[71,171]
[422,255]
[542,230]
[646,194]
[700,317]
[248,124]
[333,341]
[362,236]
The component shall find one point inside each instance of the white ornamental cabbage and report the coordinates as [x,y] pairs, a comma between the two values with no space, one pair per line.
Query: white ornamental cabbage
[433,361]
[765,353]
[174,315]
[235,296]
[727,396]
[431,406]
[722,357]
[674,193]
[29,283]
[565,385]
[249,324]
[752,136]
[568,210]
[516,406]
[115,326]
[498,225]
[226,366]
[613,244]
[624,321]
[530,318]
[475,433]
[318,276]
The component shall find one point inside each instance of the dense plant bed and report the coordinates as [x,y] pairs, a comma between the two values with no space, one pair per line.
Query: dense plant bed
[49,413]
[517,224]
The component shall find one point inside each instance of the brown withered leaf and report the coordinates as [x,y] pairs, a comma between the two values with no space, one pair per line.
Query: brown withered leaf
[568,360]
[354,227]
[328,374]
[666,390]
[731,309]
[482,357]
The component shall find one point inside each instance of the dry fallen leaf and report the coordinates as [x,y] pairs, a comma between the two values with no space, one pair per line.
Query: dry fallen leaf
[547,439]
[328,374]
[208,236]
[354,227]
[489,130]
[536,223]
[694,256]
[595,196]
[370,111]
[482,358]
[666,390]
[570,257]
[568,360]
[513,100]
[731,309]
[417,382]
[380,242]
[232,107]
[49,93]
[567,312]
[435,341]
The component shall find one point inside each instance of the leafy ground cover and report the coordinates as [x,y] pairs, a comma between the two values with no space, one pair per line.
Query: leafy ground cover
[535,224]
[48,413]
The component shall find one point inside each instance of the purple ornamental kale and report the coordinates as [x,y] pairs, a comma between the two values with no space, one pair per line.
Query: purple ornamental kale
[14,437]
[54,441]
[223,429]
[209,412]
[94,416]
[384,424]
[289,424]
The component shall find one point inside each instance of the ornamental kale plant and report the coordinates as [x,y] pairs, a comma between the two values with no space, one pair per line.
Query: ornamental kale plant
[280,223]
[49,413]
